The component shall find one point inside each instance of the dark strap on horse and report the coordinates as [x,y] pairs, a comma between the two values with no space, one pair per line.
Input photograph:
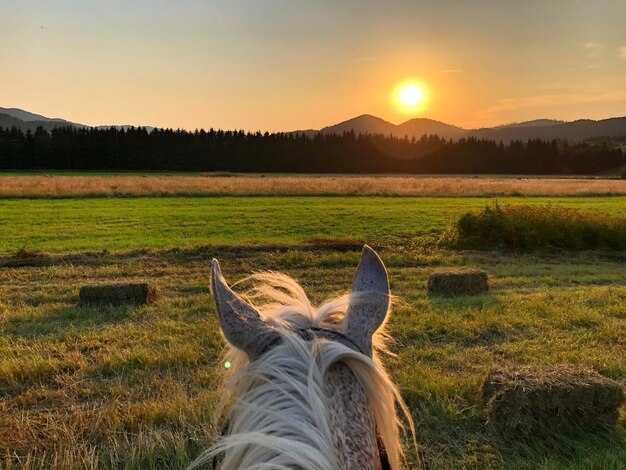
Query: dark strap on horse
[308,334]
[384,458]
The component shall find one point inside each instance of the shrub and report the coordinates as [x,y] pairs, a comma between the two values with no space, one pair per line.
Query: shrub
[622,172]
[524,400]
[527,228]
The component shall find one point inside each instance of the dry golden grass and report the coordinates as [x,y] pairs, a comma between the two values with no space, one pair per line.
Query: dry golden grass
[68,186]
[124,387]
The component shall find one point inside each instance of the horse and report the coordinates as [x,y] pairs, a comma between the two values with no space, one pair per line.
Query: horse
[306,386]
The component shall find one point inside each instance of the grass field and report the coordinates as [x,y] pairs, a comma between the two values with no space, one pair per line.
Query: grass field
[135,387]
[132,185]
[136,223]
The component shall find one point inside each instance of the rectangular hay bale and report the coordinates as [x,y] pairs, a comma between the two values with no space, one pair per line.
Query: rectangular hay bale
[524,400]
[136,293]
[460,282]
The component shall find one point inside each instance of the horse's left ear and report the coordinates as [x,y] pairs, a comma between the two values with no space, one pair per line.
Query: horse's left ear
[242,325]
[370,300]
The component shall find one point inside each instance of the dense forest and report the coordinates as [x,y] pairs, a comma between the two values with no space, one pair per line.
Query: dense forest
[236,151]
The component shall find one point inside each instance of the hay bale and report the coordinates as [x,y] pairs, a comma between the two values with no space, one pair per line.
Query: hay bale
[136,293]
[460,282]
[524,400]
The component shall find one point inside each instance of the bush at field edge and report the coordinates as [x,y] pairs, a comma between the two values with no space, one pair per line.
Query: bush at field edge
[529,228]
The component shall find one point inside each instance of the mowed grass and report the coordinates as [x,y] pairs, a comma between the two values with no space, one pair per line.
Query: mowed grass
[137,387]
[136,223]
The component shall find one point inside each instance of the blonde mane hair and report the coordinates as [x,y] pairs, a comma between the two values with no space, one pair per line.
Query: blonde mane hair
[278,418]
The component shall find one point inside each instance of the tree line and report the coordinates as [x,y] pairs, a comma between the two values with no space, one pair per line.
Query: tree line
[135,149]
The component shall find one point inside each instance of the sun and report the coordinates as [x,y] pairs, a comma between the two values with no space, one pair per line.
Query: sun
[410,97]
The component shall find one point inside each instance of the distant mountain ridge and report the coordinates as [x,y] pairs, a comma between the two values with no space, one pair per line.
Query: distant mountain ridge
[533,123]
[422,126]
[368,124]
[545,129]
[8,121]
[364,124]
[25,120]
[30,117]
[575,130]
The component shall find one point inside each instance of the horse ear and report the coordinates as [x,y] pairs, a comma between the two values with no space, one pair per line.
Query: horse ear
[369,302]
[241,323]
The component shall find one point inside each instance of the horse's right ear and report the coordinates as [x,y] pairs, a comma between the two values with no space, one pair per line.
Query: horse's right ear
[370,300]
[242,325]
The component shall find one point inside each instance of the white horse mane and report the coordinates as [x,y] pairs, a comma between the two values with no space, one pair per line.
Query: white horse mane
[278,417]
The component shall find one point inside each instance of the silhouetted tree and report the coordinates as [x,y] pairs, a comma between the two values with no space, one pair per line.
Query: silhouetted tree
[218,150]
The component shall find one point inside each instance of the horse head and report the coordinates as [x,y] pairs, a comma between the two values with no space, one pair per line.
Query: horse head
[306,386]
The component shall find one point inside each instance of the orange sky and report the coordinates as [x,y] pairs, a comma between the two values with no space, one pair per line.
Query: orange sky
[296,64]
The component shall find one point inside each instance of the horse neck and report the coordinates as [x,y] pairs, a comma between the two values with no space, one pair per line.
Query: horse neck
[292,412]
[352,423]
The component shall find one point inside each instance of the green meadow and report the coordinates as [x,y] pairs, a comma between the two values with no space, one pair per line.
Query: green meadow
[135,223]
[122,387]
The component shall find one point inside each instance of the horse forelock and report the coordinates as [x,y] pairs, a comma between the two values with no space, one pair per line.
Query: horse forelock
[279,414]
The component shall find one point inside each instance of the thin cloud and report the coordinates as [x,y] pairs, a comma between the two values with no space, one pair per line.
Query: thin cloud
[451,71]
[547,100]
[366,58]
[594,49]
[622,52]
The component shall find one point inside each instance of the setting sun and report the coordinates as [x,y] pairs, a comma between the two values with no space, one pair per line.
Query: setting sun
[410,97]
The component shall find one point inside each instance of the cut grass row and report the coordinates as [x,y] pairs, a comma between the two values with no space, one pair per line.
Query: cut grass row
[129,185]
[58,225]
[136,388]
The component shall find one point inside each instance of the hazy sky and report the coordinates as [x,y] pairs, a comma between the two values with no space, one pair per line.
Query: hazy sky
[297,64]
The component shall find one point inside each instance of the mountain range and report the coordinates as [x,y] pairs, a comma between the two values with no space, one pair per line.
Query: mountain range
[25,120]
[545,129]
